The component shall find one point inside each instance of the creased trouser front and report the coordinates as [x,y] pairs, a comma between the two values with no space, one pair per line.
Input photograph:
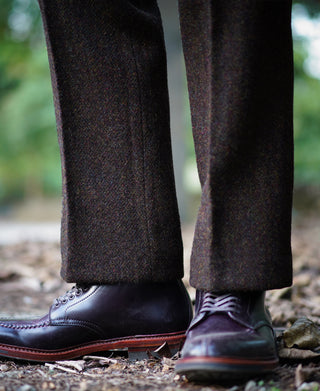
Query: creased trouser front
[120,218]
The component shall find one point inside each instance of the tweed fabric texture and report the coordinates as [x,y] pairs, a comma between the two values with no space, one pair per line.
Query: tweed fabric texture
[120,219]
[239,67]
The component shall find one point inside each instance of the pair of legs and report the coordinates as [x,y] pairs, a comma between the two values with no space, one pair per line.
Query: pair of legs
[120,218]
[120,223]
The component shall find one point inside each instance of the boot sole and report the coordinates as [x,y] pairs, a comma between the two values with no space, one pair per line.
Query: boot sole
[137,347]
[204,369]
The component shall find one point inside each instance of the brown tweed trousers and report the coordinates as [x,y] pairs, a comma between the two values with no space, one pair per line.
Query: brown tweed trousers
[120,220]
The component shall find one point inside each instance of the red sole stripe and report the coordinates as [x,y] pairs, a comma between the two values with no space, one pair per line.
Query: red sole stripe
[227,360]
[136,343]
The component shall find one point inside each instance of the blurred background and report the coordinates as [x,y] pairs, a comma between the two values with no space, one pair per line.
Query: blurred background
[30,178]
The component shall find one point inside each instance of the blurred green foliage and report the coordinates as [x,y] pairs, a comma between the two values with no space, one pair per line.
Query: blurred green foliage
[306,111]
[306,122]
[29,155]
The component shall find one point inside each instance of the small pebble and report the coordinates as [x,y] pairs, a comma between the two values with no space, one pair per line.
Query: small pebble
[4,368]
[250,386]
[253,386]
[26,387]
[313,386]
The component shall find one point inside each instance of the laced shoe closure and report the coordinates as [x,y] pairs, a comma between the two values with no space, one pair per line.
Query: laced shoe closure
[238,306]
[212,304]
[225,303]
[230,336]
[71,294]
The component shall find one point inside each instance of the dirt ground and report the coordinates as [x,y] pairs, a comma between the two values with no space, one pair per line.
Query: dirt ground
[29,282]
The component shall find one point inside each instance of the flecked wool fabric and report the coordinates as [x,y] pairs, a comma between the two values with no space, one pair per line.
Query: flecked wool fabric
[239,67]
[120,220]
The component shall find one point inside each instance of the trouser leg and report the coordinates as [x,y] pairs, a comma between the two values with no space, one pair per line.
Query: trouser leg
[120,220]
[239,68]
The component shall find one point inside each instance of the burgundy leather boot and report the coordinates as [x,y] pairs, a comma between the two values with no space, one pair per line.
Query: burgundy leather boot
[230,336]
[130,317]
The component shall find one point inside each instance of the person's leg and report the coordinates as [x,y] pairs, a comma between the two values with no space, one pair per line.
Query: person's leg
[239,66]
[120,218]
[121,240]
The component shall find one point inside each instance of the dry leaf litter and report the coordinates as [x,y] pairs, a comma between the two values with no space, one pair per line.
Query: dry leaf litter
[295,311]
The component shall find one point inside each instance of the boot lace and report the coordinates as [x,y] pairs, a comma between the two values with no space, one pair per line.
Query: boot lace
[224,303]
[70,295]
[212,304]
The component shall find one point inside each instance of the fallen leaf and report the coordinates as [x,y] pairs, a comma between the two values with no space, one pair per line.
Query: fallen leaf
[163,350]
[169,362]
[297,354]
[103,361]
[303,334]
[61,367]
[75,364]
